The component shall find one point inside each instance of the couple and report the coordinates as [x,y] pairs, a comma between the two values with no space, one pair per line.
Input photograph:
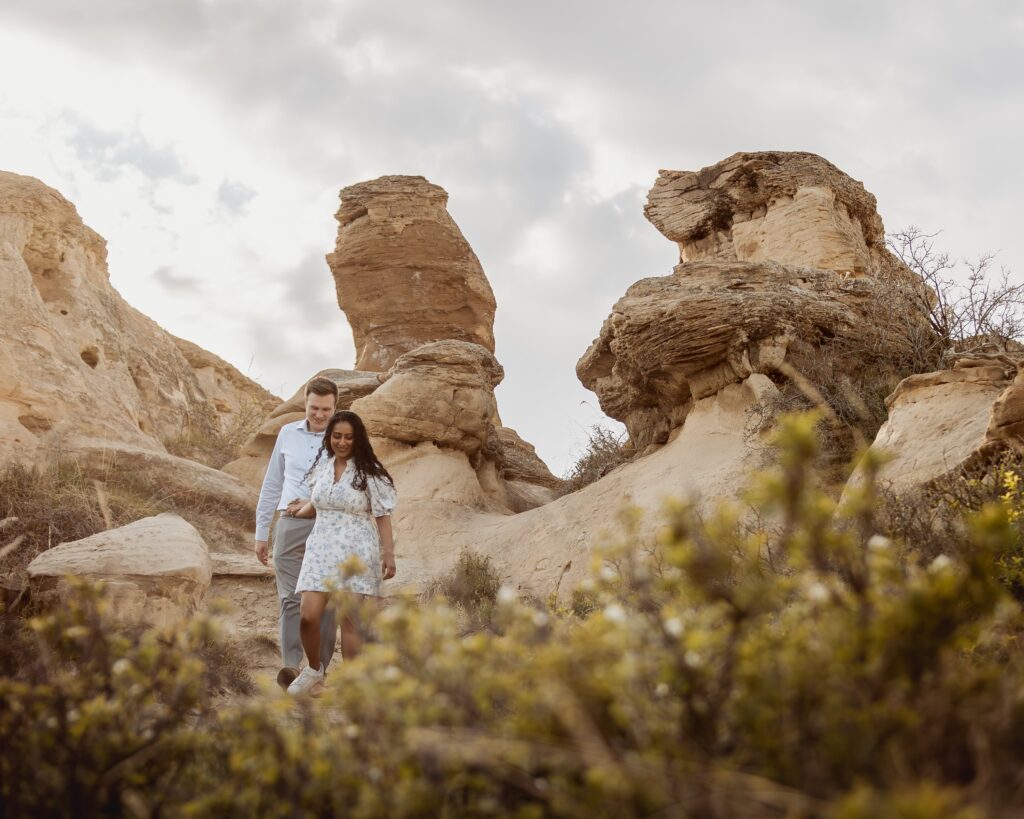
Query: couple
[335,499]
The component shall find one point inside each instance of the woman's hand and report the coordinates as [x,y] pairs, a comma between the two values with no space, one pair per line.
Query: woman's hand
[387,565]
[387,547]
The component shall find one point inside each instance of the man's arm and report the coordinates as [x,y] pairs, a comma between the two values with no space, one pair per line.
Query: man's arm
[270,495]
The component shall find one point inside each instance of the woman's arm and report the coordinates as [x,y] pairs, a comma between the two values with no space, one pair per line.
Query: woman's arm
[307,510]
[387,547]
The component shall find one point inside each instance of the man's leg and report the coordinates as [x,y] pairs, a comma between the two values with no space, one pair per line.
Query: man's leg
[289,546]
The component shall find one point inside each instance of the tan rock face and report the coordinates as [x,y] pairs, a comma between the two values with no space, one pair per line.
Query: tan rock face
[441,393]
[443,509]
[156,570]
[944,421]
[251,466]
[789,207]
[675,339]
[404,273]
[75,358]
[234,396]
[163,474]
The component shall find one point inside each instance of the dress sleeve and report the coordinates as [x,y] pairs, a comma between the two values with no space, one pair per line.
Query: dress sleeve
[382,496]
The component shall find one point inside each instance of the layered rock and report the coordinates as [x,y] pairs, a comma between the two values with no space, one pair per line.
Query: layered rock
[793,208]
[75,358]
[251,464]
[442,393]
[943,422]
[156,570]
[783,256]
[404,273]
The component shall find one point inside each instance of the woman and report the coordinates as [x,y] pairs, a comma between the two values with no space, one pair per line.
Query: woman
[352,499]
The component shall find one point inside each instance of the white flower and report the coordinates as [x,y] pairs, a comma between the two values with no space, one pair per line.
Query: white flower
[608,574]
[351,731]
[615,613]
[818,592]
[540,619]
[674,626]
[122,666]
[693,659]
[661,690]
[940,564]
[507,595]
[391,673]
[879,543]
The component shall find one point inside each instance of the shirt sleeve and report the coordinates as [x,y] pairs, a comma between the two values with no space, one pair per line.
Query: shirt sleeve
[382,496]
[270,492]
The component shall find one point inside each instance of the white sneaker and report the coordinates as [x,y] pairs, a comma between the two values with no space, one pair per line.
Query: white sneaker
[308,682]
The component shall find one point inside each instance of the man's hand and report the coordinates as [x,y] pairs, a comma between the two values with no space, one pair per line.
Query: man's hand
[262,551]
[294,506]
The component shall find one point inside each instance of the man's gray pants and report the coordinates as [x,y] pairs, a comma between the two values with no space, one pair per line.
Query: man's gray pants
[289,546]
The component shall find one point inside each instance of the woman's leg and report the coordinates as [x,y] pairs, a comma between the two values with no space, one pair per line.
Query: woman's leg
[351,639]
[311,610]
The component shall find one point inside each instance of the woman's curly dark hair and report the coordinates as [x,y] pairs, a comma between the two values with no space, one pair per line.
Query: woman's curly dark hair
[363,457]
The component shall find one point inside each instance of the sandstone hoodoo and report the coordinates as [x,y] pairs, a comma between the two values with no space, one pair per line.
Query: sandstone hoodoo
[782,256]
[404,273]
[75,358]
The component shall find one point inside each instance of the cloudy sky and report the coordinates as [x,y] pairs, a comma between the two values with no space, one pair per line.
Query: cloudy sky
[207,141]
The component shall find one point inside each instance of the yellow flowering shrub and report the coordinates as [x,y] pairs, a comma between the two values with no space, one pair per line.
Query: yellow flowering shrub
[816,667]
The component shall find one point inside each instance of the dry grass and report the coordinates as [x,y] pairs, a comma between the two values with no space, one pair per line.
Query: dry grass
[216,446]
[471,586]
[603,451]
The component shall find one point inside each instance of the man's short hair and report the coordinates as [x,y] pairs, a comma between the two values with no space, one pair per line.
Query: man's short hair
[322,386]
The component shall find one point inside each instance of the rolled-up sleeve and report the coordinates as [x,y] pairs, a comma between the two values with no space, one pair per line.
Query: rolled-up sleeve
[270,492]
[383,496]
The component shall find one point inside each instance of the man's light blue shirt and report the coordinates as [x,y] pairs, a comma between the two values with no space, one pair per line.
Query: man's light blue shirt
[293,455]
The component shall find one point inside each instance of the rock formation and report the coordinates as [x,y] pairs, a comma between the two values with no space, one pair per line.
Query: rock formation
[793,208]
[442,392]
[404,273]
[156,570]
[75,358]
[942,422]
[742,303]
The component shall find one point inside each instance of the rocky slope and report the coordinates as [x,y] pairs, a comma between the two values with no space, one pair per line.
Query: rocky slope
[75,358]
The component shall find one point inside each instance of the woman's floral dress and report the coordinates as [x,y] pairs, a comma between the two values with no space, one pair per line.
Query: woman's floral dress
[345,528]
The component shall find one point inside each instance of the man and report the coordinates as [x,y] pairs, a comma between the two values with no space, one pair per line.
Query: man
[285,488]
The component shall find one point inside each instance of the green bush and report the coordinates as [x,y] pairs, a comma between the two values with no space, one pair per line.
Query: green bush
[845,677]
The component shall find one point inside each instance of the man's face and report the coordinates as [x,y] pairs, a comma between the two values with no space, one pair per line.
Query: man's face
[319,409]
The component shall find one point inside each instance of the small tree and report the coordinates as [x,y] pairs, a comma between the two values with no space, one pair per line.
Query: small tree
[971,311]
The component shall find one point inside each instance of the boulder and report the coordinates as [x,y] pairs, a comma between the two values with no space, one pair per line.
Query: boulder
[442,393]
[404,273]
[156,570]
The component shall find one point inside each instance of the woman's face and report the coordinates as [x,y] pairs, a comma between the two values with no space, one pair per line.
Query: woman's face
[342,437]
